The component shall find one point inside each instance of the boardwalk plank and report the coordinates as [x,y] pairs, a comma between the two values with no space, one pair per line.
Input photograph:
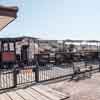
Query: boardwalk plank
[54,92]
[36,94]
[14,96]
[25,95]
[45,93]
[4,96]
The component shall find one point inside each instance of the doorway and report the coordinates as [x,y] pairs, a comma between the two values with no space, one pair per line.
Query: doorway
[24,53]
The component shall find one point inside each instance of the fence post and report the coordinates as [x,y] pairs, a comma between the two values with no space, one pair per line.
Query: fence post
[15,77]
[91,68]
[99,67]
[37,74]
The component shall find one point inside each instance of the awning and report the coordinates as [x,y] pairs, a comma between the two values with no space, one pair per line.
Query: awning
[7,15]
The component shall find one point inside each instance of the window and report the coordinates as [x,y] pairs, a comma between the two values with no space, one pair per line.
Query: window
[11,46]
[5,46]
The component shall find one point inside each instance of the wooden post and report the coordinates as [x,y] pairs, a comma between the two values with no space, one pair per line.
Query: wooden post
[99,67]
[37,71]
[14,77]
[37,74]
[90,71]
[63,46]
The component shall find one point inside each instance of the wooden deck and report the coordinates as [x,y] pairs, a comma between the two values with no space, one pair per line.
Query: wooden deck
[37,92]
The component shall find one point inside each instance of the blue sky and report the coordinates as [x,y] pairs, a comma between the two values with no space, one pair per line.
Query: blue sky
[55,19]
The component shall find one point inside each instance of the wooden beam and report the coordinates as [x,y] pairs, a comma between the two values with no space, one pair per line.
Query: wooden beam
[8,11]
[7,15]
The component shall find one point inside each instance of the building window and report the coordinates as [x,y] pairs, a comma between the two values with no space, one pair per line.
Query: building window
[5,46]
[11,46]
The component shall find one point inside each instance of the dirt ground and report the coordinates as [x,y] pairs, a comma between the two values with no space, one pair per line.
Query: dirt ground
[87,89]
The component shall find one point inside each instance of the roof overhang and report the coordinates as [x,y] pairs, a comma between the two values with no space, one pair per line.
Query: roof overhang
[7,15]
